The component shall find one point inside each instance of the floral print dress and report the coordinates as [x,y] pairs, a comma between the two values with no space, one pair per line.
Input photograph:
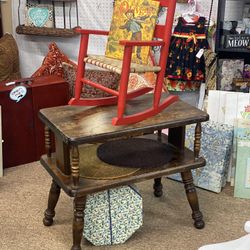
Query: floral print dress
[185,68]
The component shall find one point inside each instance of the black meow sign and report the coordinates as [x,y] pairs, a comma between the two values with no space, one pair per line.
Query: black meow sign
[237,41]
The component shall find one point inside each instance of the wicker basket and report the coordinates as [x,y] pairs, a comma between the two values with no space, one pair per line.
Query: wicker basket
[44,31]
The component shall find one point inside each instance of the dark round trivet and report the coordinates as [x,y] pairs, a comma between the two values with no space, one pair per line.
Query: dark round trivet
[136,153]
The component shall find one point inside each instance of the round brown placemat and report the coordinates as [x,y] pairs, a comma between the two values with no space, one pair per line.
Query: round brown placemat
[136,153]
[93,168]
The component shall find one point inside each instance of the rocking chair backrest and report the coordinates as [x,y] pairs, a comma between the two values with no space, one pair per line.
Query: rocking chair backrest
[164,31]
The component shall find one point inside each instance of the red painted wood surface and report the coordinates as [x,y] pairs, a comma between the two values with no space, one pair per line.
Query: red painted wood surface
[161,31]
[23,132]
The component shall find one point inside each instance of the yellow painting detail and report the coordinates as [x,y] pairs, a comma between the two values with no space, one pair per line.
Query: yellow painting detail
[132,20]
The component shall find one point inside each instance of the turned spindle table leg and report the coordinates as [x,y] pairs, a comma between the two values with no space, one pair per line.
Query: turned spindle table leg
[54,190]
[197,140]
[52,201]
[157,187]
[157,182]
[79,205]
[192,199]
[75,165]
[189,185]
[47,136]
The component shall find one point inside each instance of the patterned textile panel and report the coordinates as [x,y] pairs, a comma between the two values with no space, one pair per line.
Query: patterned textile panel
[112,216]
[216,146]
[106,78]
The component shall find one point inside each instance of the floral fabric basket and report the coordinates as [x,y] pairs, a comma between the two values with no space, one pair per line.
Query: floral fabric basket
[216,147]
[112,216]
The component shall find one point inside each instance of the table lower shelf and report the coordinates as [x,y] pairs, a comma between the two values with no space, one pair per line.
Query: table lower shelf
[185,162]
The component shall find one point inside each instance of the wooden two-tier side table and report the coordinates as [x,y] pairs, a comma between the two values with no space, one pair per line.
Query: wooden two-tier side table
[73,126]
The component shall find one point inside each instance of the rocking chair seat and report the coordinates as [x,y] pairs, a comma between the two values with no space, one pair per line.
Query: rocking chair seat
[115,65]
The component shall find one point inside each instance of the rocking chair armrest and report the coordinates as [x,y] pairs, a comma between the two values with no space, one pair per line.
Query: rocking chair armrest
[91,32]
[141,43]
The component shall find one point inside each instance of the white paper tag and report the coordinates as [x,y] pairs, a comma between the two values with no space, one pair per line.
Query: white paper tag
[10,83]
[188,19]
[18,93]
[200,53]
[202,95]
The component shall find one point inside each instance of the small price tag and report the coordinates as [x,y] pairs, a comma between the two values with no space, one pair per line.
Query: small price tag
[200,53]
[188,19]
[18,93]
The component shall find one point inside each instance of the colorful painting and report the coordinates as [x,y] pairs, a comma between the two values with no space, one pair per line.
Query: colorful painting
[132,20]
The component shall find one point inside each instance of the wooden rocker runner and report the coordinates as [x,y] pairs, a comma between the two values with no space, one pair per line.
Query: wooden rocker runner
[128,56]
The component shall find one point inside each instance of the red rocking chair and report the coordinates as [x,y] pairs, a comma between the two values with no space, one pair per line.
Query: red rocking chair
[126,66]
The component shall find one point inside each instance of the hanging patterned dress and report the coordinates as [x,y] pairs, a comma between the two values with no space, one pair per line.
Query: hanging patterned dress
[186,66]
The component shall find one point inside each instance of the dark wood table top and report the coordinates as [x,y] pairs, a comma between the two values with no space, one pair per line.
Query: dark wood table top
[77,124]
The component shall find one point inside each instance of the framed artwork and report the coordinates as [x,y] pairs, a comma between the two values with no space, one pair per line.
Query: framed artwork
[228,70]
[39,15]
[229,105]
[132,20]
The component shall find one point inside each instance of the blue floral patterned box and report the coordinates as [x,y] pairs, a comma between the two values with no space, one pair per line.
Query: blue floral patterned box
[112,216]
[216,146]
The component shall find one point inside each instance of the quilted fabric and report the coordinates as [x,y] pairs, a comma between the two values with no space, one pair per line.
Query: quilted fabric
[9,59]
[112,216]
[216,146]
[52,63]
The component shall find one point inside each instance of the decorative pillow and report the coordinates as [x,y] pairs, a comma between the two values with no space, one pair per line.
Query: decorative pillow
[9,59]
[52,63]
[106,78]
[39,15]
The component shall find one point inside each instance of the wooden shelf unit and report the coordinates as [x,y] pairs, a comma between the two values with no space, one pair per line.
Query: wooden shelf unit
[54,31]
[222,52]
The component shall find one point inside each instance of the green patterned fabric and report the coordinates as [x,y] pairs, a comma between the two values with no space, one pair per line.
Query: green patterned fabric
[112,216]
